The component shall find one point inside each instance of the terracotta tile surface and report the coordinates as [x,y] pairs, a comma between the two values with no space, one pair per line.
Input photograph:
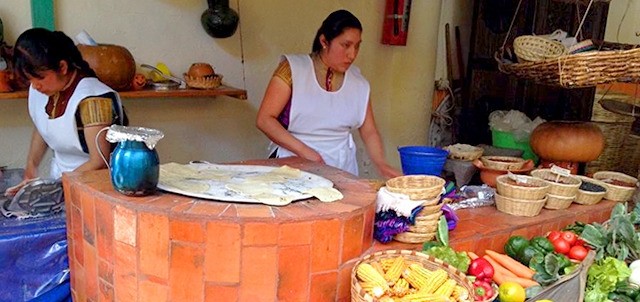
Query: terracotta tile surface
[167,247]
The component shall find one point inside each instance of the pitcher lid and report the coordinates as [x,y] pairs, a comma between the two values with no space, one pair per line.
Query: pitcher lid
[149,136]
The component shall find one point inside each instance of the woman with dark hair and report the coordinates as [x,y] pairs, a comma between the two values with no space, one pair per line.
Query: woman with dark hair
[67,104]
[314,101]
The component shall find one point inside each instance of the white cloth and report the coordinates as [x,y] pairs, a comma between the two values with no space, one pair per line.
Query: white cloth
[324,119]
[61,134]
[401,203]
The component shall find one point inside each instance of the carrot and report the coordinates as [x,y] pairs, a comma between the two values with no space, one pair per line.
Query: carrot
[472,255]
[497,268]
[522,281]
[511,264]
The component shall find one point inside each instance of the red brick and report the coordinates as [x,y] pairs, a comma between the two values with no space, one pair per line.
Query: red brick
[150,291]
[259,273]
[222,254]
[104,230]
[183,230]
[106,292]
[325,245]
[125,272]
[323,287]
[254,211]
[105,271]
[209,208]
[153,244]
[187,269]
[215,293]
[88,219]
[343,290]
[260,234]
[295,233]
[125,225]
[353,231]
[91,271]
[293,273]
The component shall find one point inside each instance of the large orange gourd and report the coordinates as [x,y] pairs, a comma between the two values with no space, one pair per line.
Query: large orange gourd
[567,142]
[114,65]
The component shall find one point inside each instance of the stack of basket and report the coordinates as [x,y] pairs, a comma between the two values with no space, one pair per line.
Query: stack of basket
[420,187]
[520,195]
[563,188]
[620,186]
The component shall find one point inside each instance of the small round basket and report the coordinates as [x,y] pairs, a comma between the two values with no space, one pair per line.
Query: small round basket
[417,187]
[561,185]
[620,186]
[424,229]
[587,197]
[503,162]
[207,82]
[534,48]
[555,202]
[359,294]
[519,207]
[532,189]
[464,152]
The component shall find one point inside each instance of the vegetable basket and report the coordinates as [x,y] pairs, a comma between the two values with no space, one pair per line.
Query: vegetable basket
[613,180]
[569,288]
[384,261]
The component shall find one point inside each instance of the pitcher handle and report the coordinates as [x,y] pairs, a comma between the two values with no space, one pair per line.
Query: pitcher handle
[98,146]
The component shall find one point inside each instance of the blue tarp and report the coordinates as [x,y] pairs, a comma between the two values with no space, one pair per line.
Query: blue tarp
[33,258]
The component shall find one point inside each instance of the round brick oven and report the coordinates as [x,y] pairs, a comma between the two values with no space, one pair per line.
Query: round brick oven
[168,247]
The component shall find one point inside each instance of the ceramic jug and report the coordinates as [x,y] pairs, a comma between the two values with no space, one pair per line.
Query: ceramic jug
[134,163]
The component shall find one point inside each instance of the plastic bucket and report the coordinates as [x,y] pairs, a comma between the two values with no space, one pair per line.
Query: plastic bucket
[422,160]
[507,140]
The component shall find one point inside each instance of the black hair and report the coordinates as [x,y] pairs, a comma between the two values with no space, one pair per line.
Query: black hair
[39,49]
[334,25]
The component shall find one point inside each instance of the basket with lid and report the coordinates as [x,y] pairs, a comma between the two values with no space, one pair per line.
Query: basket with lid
[521,187]
[591,191]
[560,185]
[620,186]
[394,273]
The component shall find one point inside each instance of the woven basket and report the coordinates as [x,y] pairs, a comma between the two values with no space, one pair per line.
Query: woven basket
[208,82]
[535,48]
[358,294]
[503,162]
[588,197]
[613,62]
[506,188]
[424,229]
[519,207]
[555,202]
[616,192]
[566,186]
[417,187]
[464,152]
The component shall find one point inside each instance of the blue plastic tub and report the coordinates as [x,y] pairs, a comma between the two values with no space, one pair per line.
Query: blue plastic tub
[422,160]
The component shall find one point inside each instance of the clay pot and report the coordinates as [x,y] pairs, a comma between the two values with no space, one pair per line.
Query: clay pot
[488,175]
[219,21]
[114,65]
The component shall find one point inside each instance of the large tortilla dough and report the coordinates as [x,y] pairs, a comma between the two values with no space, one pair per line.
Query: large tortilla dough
[250,188]
[186,185]
[175,170]
[325,194]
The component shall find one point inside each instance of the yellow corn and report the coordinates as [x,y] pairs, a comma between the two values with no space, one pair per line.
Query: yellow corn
[387,263]
[400,288]
[378,267]
[460,293]
[395,271]
[417,275]
[367,273]
[425,297]
[436,279]
[374,290]
[386,299]
[446,289]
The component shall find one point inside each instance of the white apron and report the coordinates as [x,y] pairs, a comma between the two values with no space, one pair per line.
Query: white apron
[324,120]
[61,134]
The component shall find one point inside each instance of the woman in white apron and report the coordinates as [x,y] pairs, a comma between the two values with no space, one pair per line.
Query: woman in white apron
[314,102]
[67,104]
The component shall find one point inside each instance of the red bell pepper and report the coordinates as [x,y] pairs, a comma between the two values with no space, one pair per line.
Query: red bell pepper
[483,289]
[481,269]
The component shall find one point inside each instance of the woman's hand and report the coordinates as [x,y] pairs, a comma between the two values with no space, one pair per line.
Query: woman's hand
[10,192]
[312,155]
[387,171]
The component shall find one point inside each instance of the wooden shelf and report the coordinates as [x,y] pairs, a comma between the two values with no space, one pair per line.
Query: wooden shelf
[150,93]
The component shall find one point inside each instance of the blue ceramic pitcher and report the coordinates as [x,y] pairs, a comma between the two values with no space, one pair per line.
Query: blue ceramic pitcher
[134,164]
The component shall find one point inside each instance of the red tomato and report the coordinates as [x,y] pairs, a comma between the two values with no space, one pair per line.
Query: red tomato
[579,242]
[561,246]
[570,237]
[553,235]
[578,252]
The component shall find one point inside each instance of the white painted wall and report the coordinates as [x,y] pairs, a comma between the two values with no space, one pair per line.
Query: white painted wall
[222,129]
